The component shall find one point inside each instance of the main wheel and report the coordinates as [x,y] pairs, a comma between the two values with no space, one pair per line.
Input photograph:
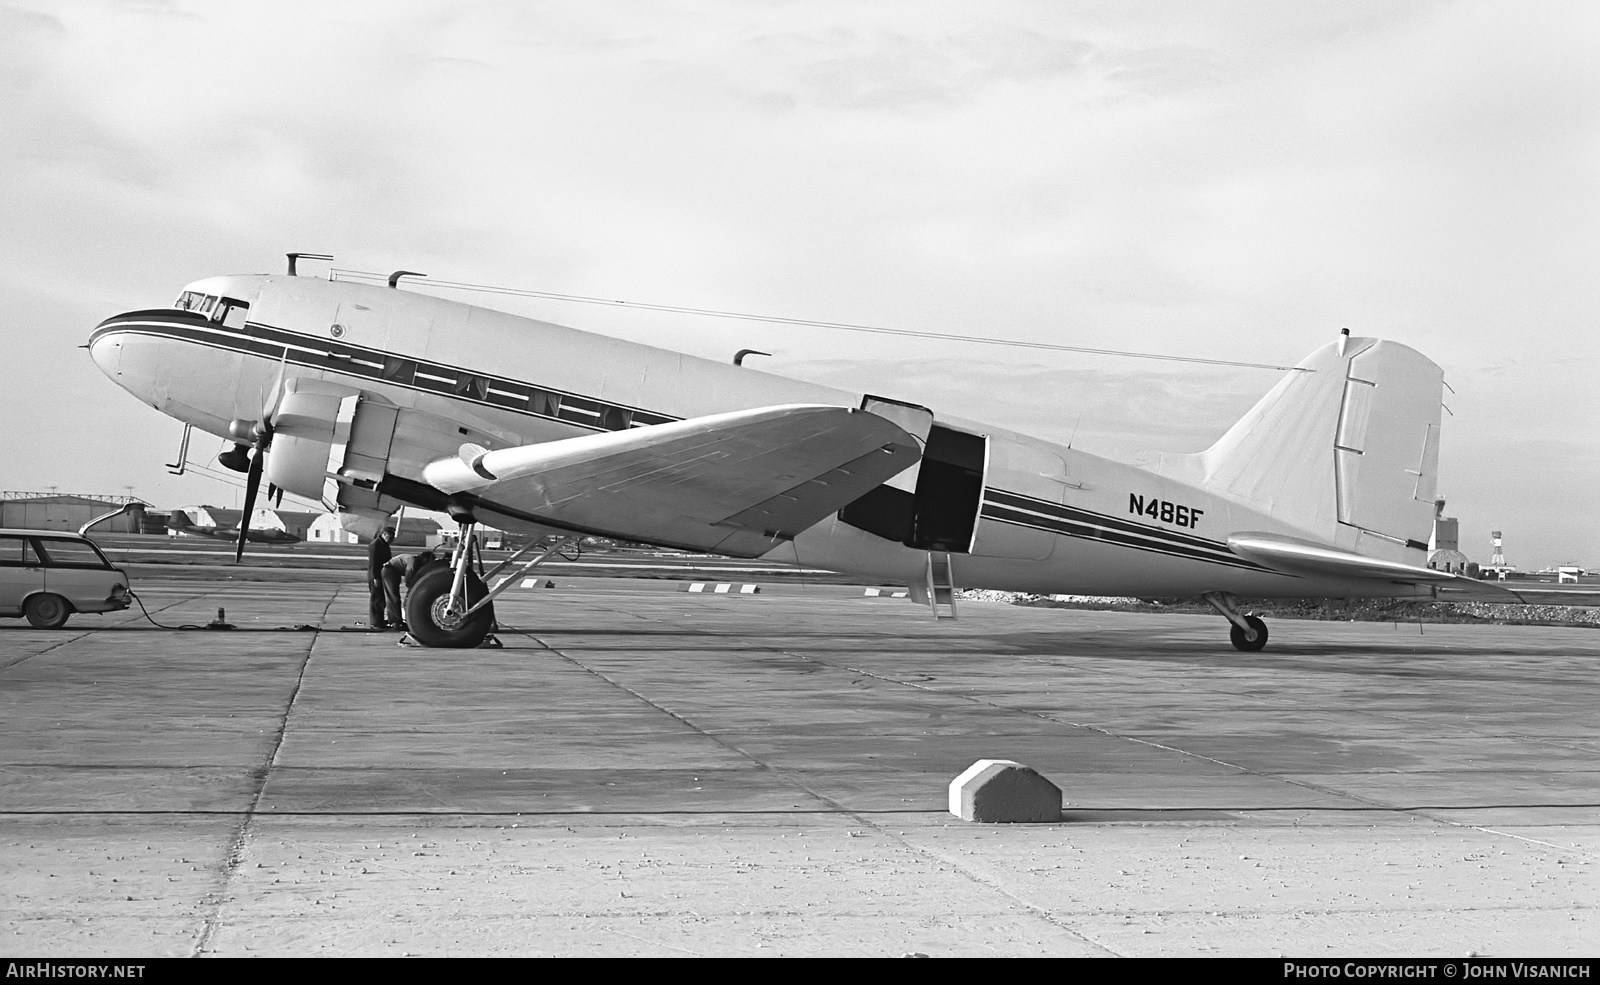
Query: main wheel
[47,611]
[1252,641]
[434,622]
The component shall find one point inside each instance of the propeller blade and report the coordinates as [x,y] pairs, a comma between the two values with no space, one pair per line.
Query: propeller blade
[252,485]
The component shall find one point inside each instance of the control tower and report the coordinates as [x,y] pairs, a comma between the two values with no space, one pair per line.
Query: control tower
[1497,563]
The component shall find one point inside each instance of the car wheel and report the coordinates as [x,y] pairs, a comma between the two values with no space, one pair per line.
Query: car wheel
[47,611]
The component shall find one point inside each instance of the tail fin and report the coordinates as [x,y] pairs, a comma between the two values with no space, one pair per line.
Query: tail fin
[1345,448]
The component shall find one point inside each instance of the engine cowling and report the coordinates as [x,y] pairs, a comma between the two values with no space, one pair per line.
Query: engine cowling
[302,439]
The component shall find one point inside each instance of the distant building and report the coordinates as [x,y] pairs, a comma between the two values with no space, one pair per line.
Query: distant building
[329,529]
[413,531]
[68,511]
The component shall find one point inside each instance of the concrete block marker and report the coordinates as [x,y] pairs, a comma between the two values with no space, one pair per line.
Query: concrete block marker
[723,588]
[886,593]
[538,583]
[999,790]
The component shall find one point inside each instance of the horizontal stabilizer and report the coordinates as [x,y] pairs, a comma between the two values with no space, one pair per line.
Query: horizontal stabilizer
[1304,557]
[736,483]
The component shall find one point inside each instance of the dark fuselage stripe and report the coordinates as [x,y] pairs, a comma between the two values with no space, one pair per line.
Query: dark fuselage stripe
[1063,512]
[369,364]
[1085,525]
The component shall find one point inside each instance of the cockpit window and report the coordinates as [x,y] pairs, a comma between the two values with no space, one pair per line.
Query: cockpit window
[206,305]
[231,312]
[189,301]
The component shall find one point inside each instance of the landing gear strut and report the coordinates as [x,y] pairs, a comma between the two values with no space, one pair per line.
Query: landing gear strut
[1248,633]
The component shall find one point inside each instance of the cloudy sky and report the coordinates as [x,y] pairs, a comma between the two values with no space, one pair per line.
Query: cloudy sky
[1231,180]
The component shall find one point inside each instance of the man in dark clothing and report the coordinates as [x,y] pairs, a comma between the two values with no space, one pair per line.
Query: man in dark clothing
[402,567]
[377,556]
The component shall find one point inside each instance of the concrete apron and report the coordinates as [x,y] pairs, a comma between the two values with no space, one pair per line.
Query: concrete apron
[642,772]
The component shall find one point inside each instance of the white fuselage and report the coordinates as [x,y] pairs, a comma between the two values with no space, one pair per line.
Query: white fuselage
[1048,519]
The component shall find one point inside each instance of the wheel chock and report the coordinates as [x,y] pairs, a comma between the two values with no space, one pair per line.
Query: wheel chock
[1001,791]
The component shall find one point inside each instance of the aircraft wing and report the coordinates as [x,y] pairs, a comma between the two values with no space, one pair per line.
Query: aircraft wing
[736,483]
[1304,557]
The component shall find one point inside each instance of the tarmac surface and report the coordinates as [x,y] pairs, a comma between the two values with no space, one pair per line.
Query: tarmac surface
[641,771]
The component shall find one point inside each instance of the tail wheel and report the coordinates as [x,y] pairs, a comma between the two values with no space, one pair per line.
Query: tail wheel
[1252,641]
[433,621]
[47,611]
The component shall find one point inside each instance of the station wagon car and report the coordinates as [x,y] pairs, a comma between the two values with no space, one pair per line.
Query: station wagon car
[47,575]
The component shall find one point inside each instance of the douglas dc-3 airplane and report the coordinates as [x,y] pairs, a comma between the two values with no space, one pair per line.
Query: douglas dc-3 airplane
[1324,489]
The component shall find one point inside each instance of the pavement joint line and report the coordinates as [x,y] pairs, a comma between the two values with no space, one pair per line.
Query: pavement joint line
[647,940]
[1516,837]
[1371,805]
[865,818]
[1402,719]
[1044,716]
[762,812]
[130,620]
[214,901]
[1365,803]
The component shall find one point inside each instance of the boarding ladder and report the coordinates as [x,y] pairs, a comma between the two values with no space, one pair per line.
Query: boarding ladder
[941,585]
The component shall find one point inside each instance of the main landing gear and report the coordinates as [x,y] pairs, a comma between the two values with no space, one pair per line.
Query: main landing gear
[450,606]
[1248,633]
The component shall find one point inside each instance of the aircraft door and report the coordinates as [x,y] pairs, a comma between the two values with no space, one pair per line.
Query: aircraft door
[949,491]
[941,512]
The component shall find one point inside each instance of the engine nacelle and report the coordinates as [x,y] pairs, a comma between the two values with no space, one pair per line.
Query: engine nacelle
[302,439]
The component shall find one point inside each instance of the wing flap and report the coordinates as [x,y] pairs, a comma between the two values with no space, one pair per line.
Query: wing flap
[733,483]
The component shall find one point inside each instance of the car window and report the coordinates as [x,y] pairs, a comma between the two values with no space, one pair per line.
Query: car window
[15,552]
[62,553]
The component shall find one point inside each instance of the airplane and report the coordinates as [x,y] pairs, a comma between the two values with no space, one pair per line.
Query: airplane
[225,526]
[1325,489]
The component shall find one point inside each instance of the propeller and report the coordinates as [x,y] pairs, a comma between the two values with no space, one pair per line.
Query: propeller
[258,461]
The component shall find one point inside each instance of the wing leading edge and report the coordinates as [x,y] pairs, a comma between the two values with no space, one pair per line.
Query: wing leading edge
[736,484]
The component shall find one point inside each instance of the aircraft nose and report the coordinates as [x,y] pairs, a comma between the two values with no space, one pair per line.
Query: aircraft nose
[105,348]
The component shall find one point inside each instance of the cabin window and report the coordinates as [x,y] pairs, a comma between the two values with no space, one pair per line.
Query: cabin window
[548,404]
[468,385]
[396,370]
[580,411]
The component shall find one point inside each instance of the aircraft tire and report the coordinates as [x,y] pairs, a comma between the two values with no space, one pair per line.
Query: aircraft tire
[46,611]
[425,611]
[1241,642]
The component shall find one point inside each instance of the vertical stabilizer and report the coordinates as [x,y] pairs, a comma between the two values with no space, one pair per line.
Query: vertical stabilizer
[1345,448]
